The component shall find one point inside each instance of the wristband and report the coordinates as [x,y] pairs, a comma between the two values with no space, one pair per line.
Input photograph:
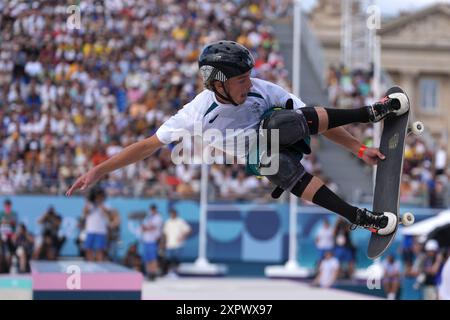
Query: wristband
[361,151]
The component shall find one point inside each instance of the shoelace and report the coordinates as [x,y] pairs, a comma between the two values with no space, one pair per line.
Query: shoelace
[369,221]
[382,102]
[384,99]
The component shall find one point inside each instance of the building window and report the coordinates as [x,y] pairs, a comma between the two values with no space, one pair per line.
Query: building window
[429,94]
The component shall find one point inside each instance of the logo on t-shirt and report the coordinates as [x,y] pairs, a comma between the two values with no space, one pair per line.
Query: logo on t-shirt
[213,119]
[255,107]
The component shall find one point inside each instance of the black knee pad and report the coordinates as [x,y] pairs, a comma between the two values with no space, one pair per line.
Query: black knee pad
[312,119]
[301,185]
[290,170]
[291,124]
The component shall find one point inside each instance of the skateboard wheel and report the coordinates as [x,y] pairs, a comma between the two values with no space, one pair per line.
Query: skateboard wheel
[417,128]
[408,219]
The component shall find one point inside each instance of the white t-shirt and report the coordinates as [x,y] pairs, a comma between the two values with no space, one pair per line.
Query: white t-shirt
[33,68]
[174,230]
[441,159]
[325,238]
[185,173]
[97,220]
[328,268]
[206,112]
[226,186]
[391,269]
[244,186]
[152,221]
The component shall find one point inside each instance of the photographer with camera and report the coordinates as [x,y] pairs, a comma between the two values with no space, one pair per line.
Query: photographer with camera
[427,268]
[52,241]
[23,242]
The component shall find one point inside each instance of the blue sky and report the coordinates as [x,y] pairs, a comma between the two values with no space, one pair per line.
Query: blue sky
[389,7]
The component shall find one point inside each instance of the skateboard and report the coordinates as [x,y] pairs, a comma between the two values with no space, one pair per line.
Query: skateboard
[389,172]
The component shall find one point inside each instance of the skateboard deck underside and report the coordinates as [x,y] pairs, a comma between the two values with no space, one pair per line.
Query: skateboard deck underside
[388,178]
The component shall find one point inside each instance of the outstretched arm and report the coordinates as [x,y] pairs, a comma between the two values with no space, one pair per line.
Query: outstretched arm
[131,154]
[341,136]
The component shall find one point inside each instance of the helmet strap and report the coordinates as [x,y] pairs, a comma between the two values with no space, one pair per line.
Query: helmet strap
[227,96]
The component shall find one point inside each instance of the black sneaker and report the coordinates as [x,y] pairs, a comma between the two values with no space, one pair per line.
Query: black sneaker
[396,103]
[379,223]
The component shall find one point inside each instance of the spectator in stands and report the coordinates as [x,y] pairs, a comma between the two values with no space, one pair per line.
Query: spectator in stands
[8,220]
[391,277]
[81,237]
[4,257]
[175,232]
[440,160]
[343,248]
[52,239]
[151,229]
[97,215]
[46,249]
[243,186]
[328,271]
[113,235]
[427,268]
[438,193]
[324,239]
[8,224]
[408,254]
[132,258]
[23,243]
[60,238]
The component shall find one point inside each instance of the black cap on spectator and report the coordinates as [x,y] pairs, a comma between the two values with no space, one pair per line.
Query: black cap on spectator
[7,202]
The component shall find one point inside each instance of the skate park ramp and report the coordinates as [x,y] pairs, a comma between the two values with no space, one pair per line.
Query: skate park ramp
[194,288]
[241,289]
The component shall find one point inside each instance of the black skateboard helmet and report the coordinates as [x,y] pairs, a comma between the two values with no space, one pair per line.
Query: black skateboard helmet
[223,60]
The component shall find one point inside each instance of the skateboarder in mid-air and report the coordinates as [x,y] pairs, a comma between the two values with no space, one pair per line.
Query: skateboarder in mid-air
[234,100]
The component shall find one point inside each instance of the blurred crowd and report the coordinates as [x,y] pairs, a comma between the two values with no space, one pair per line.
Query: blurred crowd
[161,243]
[419,260]
[18,246]
[425,179]
[156,252]
[72,97]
